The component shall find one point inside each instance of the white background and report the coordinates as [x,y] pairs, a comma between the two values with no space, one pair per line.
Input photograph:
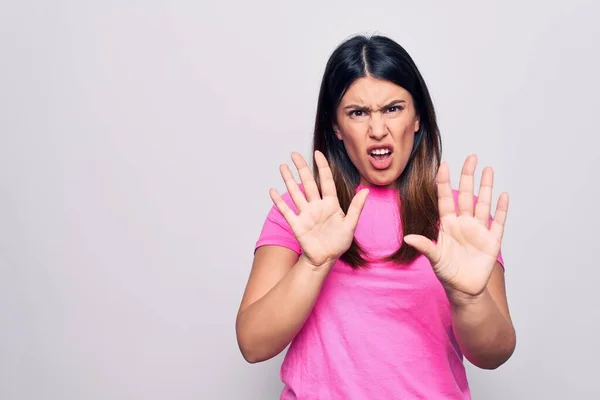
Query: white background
[138,141]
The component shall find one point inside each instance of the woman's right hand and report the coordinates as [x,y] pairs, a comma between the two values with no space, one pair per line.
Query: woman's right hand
[321,227]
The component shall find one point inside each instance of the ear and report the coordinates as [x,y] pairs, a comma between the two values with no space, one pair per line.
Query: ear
[337,131]
[417,124]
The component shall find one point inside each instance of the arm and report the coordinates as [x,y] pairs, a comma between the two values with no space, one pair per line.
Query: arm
[283,286]
[482,325]
[280,294]
[465,260]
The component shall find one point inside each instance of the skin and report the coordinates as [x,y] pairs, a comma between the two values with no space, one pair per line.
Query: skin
[282,287]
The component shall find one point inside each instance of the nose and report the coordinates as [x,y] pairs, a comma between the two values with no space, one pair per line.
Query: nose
[377,128]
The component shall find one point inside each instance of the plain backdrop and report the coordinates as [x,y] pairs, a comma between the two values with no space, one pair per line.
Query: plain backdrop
[138,142]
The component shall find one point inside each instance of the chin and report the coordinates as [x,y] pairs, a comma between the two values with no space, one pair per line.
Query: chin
[381,180]
[380,177]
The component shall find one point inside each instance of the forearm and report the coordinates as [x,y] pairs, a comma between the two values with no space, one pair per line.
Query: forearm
[267,326]
[485,335]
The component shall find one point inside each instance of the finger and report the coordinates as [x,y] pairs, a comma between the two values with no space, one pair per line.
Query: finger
[306,177]
[497,226]
[292,187]
[325,176]
[466,186]
[445,195]
[282,206]
[425,246]
[484,199]
[356,206]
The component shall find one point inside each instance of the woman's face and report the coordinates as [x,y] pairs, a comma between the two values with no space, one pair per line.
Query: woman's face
[377,122]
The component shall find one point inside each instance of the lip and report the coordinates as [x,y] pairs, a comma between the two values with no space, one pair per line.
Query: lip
[380,146]
[380,164]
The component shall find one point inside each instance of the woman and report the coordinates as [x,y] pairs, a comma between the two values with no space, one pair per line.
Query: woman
[375,271]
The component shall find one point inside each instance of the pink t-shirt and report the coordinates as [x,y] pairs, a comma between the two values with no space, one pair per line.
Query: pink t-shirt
[378,333]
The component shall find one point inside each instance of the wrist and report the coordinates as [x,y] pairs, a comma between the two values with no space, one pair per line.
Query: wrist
[459,300]
[317,267]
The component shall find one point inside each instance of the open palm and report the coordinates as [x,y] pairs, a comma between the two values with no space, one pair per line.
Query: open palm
[322,229]
[468,244]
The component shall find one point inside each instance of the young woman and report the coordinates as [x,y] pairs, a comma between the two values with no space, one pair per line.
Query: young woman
[373,269]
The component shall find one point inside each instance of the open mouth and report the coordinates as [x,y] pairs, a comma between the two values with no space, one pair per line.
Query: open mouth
[380,157]
[380,154]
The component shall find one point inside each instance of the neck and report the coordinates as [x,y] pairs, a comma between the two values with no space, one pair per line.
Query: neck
[365,184]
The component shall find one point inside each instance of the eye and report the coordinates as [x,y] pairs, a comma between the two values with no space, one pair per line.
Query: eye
[393,109]
[357,113]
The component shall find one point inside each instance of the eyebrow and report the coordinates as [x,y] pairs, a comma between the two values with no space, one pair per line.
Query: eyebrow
[391,104]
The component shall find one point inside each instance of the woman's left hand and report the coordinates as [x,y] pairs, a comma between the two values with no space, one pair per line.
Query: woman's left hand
[467,247]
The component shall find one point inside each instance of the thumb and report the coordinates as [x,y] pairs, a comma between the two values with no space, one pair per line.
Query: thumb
[356,207]
[423,245]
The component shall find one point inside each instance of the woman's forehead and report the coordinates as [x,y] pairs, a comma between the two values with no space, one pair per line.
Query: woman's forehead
[374,92]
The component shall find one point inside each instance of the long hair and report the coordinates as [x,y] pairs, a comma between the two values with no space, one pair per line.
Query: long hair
[382,58]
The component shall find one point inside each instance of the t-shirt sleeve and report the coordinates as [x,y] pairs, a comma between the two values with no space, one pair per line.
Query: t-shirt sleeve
[500,259]
[277,231]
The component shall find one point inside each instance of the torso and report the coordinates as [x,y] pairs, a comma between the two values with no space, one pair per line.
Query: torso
[383,332]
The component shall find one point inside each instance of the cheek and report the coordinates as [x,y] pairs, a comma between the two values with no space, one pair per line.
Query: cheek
[404,130]
[401,125]
[354,143]
[354,136]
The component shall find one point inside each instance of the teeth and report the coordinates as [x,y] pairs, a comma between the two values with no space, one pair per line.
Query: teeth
[380,151]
